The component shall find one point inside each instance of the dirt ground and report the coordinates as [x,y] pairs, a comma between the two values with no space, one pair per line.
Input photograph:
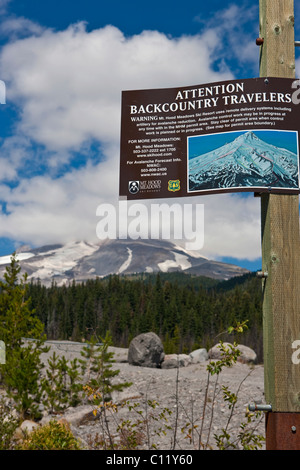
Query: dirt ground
[168,404]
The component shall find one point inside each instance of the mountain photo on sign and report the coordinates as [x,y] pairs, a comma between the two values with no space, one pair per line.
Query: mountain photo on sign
[245,159]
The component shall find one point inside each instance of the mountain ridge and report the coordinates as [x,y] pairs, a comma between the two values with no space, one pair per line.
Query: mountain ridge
[246,161]
[81,261]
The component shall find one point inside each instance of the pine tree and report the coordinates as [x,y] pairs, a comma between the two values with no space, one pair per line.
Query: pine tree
[97,365]
[20,374]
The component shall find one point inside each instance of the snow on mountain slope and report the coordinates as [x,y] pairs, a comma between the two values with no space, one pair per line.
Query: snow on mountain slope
[180,261]
[52,261]
[80,261]
[21,257]
[126,263]
[246,161]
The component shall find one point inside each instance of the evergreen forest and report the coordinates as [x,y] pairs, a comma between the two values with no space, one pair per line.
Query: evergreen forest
[187,312]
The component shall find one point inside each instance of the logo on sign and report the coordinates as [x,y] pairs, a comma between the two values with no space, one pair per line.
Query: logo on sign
[133,187]
[173,185]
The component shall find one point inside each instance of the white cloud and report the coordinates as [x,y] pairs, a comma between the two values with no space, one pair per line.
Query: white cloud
[14,27]
[67,88]
[7,170]
[236,27]
[69,83]
[3,5]
[232,226]
[42,210]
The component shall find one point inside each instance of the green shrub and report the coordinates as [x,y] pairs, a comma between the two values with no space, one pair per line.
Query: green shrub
[53,436]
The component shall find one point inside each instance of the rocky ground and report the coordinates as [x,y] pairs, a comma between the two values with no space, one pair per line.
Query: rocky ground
[176,421]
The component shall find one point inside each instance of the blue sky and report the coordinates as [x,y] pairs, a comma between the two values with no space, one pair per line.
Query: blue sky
[65,64]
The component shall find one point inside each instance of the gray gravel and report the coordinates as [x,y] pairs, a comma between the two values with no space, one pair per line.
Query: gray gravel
[180,392]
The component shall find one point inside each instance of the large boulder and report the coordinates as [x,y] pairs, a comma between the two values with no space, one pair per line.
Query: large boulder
[247,355]
[146,350]
[199,355]
[172,361]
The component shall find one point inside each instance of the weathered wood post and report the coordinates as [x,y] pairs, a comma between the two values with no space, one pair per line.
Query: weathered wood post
[280,254]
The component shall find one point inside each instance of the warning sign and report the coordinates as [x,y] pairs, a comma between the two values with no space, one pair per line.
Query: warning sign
[238,135]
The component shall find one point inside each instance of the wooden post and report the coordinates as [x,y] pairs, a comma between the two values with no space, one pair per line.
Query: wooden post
[280,254]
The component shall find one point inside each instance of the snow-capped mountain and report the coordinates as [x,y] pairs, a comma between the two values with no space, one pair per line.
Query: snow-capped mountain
[80,261]
[246,161]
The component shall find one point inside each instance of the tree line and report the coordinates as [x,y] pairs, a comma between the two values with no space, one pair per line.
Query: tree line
[187,312]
